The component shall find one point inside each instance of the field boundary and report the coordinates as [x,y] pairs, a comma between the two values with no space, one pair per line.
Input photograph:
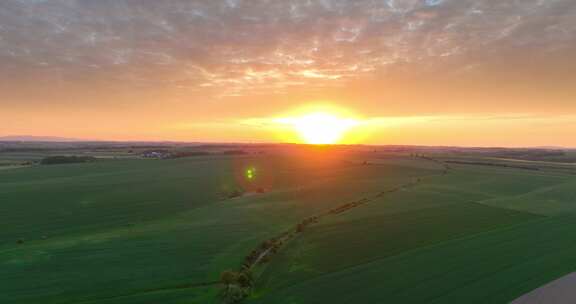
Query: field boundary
[268,248]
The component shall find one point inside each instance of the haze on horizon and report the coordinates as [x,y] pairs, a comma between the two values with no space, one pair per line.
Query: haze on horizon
[428,72]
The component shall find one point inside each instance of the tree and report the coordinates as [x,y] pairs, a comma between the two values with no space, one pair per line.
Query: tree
[229,277]
[232,294]
[237,285]
[245,279]
[53,160]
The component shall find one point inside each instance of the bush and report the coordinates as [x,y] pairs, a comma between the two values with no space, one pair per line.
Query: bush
[234,152]
[54,160]
[237,285]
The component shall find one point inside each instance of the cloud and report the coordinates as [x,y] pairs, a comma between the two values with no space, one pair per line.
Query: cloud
[239,48]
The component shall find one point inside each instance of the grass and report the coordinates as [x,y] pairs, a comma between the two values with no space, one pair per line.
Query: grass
[491,267]
[136,231]
[553,200]
[437,243]
[129,231]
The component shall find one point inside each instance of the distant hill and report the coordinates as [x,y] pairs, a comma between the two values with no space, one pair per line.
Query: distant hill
[37,138]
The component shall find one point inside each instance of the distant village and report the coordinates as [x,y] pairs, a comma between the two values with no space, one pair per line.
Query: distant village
[166,154]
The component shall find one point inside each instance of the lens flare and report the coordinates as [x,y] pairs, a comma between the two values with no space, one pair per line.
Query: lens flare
[251,173]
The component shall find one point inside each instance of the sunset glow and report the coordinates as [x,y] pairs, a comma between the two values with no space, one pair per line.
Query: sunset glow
[320,128]
[287,151]
[192,70]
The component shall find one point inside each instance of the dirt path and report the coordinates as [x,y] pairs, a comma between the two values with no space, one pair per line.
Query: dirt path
[560,291]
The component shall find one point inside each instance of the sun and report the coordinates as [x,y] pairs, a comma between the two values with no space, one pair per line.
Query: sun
[320,128]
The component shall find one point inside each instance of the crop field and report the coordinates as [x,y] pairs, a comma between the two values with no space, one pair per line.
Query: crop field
[163,231]
[475,235]
[123,230]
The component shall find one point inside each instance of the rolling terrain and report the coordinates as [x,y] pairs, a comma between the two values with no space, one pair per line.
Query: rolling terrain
[472,236]
[142,231]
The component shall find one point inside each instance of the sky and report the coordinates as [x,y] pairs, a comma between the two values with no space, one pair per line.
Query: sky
[426,72]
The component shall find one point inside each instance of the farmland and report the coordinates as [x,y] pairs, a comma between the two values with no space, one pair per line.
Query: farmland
[131,230]
[462,238]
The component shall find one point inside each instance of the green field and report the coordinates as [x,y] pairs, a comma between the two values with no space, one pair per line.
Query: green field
[466,237]
[142,231]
